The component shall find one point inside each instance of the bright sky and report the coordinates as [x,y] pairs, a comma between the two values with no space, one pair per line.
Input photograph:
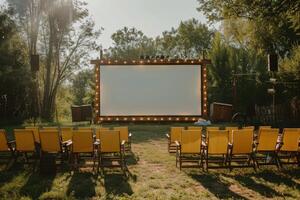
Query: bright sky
[152,17]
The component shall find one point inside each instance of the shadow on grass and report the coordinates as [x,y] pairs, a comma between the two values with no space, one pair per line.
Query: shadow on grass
[278,179]
[262,189]
[215,185]
[9,173]
[37,184]
[82,185]
[116,184]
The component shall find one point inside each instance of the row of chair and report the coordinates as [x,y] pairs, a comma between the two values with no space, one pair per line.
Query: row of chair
[66,142]
[220,148]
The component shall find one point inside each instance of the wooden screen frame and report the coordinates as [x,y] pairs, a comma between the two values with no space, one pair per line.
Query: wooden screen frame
[182,118]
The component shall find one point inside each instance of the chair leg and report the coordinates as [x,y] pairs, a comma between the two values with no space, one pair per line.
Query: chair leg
[206,159]
[180,161]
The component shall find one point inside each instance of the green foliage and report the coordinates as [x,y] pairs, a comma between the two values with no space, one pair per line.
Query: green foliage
[15,79]
[190,40]
[274,24]
[130,43]
[82,87]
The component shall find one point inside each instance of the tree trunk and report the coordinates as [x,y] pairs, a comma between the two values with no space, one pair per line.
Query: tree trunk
[47,110]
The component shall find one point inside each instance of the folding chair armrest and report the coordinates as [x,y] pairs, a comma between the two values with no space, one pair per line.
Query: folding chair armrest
[11,142]
[123,142]
[68,143]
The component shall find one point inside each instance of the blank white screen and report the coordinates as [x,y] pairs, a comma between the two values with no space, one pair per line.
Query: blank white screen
[150,90]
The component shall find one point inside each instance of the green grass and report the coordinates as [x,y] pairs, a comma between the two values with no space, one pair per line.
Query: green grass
[153,175]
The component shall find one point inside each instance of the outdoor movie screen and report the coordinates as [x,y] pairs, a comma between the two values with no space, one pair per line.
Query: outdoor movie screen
[141,90]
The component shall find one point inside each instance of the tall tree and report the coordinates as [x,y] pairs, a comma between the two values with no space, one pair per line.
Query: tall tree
[275,24]
[14,71]
[66,39]
[190,40]
[130,43]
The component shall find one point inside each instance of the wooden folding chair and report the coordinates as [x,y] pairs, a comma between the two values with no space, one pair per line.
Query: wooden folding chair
[230,129]
[99,131]
[51,143]
[83,145]
[194,128]
[174,135]
[289,151]
[25,143]
[125,135]
[266,147]
[35,131]
[216,148]
[111,149]
[66,134]
[241,149]
[189,149]
[5,145]
[50,128]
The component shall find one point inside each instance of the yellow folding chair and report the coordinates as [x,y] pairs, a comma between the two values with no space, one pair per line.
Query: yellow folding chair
[111,149]
[194,128]
[216,148]
[125,135]
[266,147]
[189,148]
[230,129]
[5,145]
[25,143]
[241,149]
[66,134]
[289,148]
[83,145]
[50,128]
[51,142]
[99,131]
[175,135]
[35,131]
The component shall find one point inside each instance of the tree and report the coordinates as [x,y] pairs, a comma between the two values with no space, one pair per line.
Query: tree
[14,71]
[82,87]
[274,24]
[130,43]
[190,40]
[66,40]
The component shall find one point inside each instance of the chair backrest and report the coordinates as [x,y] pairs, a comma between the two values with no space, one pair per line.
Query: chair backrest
[210,128]
[248,127]
[3,141]
[66,133]
[24,140]
[175,133]
[50,128]
[290,139]
[217,141]
[242,141]
[50,141]
[264,127]
[99,131]
[35,131]
[124,134]
[110,141]
[267,139]
[191,141]
[194,128]
[230,129]
[83,141]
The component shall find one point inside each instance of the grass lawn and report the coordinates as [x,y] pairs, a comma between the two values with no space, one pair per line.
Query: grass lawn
[153,176]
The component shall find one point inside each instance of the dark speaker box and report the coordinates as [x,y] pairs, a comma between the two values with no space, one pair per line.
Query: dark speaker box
[273,62]
[35,63]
